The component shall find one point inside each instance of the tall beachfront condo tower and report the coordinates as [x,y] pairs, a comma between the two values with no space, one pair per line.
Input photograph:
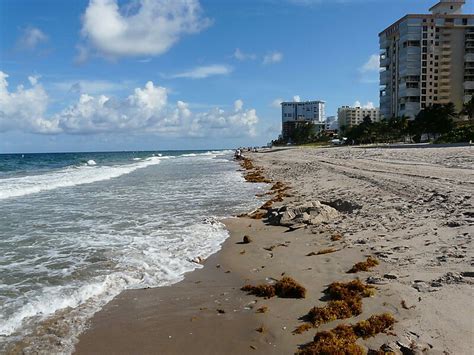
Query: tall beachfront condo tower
[297,113]
[427,59]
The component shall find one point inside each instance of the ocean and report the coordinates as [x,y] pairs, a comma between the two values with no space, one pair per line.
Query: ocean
[76,229]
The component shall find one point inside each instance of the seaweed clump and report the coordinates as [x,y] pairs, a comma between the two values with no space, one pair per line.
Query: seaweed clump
[346,302]
[374,325]
[342,339]
[284,288]
[349,290]
[289,288]
[339,309]
[364,265]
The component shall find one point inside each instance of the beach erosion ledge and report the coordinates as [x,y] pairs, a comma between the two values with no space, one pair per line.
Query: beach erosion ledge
[342,255]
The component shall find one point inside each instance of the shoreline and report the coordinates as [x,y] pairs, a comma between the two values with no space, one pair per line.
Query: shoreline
[208,313]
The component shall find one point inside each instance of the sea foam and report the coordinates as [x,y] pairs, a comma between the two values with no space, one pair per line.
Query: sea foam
[71,176]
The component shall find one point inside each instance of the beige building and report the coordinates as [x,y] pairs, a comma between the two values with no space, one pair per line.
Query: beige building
[352,116]
[427,59]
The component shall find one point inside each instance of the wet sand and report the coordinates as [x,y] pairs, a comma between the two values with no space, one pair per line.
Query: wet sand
[413,211]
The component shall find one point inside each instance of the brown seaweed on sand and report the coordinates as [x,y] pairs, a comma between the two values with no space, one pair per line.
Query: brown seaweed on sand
[342,339]
[346,302]
[364,265]
[284,288]
[322,252]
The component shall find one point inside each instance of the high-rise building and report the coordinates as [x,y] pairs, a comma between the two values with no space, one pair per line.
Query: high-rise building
[427,59]
[300,113]
[352,116]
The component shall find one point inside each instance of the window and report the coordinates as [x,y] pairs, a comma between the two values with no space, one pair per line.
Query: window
[464,21]
[423,63]
[423,91]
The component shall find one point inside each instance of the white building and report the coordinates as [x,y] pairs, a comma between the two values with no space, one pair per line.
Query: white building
[427,59]
[297,113]
[352,116]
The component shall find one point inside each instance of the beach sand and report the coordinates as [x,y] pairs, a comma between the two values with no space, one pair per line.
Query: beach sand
[411,208]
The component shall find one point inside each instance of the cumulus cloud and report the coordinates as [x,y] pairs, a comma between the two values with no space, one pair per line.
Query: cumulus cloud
[239,55]
[23,108]
[140,27]
[203,72]
[31,38]
[368,105]
[272,58]
[146,110]
[372,64]
[297,98]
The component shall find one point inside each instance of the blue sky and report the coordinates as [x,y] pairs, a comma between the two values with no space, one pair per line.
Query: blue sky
[149,75]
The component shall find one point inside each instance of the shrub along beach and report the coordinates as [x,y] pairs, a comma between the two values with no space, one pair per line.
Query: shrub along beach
[356,250]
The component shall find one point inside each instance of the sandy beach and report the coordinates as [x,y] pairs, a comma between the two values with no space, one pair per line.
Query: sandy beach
[409,208]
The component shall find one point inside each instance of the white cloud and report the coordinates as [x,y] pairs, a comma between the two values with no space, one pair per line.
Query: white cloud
[204,72]
[296,98]
[272,57]
[23,109]
[146,110]
[30,38]
[277,103]
[372,64]
[33,79]
[141,27]
[239,55]
[368,105]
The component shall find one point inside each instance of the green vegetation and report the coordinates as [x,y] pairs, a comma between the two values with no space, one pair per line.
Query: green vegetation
[439,123]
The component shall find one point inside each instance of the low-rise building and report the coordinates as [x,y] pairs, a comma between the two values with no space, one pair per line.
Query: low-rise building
[294,114]
[352,116]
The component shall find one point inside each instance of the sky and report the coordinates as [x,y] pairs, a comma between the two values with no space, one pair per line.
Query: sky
[107,75]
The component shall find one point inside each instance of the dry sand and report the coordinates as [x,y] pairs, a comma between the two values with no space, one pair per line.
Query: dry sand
[412,209]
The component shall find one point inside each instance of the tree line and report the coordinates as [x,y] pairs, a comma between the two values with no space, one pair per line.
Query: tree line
[438,123]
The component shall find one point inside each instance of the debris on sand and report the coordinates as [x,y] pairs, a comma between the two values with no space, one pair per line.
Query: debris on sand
[284,288]
[310,213]
[346,302]
[364,265]
[263,309]
[342,339]
[246,239]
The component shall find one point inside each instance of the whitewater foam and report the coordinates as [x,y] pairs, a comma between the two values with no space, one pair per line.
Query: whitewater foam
[71,176]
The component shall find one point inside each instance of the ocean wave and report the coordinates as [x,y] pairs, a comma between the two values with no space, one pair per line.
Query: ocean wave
[71,176]
[156,265]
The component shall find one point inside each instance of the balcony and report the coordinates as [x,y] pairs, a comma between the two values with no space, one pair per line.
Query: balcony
[469,57]
[384,62]
[444,80]
[469,85]
[404,91]
[385,77]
